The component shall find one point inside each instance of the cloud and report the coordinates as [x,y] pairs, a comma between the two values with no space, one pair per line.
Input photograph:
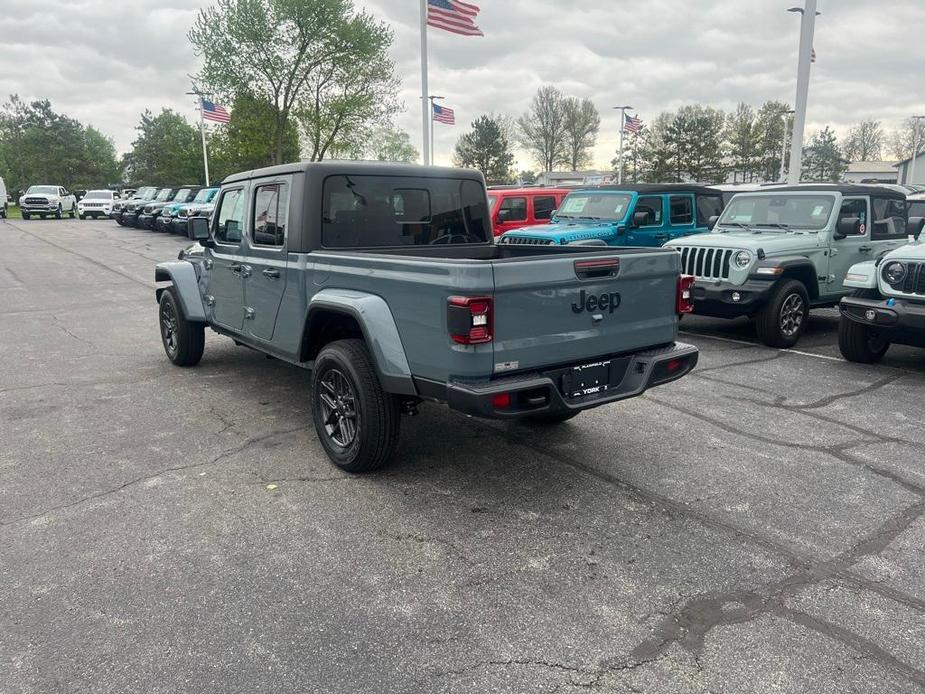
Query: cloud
[104,62]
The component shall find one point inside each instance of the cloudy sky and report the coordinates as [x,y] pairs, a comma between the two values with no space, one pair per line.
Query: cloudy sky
[105,61]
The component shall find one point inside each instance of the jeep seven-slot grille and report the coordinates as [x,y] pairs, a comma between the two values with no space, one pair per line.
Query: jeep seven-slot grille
[915,279]
[525,240]
[706,263]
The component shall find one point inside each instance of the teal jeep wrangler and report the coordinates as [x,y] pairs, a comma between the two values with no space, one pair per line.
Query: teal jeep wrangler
[645,215]
[775,254]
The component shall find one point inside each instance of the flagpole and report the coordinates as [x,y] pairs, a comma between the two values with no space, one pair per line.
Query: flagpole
[202,133]
[622,110]
[425,102]
[433,149]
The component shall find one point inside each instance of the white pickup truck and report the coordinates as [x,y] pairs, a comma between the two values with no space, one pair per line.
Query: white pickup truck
[47,200]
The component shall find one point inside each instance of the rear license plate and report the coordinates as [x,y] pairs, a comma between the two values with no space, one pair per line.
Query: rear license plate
[589,379]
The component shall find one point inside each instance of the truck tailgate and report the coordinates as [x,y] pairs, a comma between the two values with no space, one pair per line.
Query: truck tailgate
[574,308]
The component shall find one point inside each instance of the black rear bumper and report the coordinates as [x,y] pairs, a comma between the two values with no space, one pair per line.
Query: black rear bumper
[724,300]
[551,391]
[896,320]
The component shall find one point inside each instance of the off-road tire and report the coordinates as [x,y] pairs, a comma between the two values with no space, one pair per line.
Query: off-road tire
[59,213]
[770,319]
[185,343]
[73,213]
[26,216]
[81,216]
[376,414]
[858,342]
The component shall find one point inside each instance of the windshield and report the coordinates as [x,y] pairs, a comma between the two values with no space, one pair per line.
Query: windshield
[98,195]
[586,205]
[492,201]
[205,195]
[43,190]
[181,195]
[147,193]
[164,195]
[779,211]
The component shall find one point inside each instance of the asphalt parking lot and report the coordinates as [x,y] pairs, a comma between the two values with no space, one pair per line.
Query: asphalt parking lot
[755,527]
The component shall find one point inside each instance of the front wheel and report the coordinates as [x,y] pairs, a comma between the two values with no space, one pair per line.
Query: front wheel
[184,340]
[858,342]
[72,213]
[356,420]
[781,322]
[26,216]
[81,216]
[59,213]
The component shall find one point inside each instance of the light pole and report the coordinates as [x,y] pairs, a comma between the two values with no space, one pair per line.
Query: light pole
[432,99]
[915,148]
[807,29]
[622,110]
[783,149]
[202,132]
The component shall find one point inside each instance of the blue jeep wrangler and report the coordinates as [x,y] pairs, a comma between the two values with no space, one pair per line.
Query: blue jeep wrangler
[626,215]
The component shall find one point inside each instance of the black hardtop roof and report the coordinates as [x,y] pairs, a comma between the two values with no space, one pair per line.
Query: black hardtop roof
[339,167]
[843,188]
[695,188]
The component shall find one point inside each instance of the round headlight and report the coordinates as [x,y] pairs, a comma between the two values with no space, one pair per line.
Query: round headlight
[894,273]
[743,259]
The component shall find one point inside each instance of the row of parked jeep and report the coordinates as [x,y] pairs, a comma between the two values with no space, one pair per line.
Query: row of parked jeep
[774,253]
[164,209]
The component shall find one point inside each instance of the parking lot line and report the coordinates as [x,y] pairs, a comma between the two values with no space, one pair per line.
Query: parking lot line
[755,344]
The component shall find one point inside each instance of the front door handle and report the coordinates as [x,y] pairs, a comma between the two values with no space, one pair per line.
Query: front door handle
[235,268]
[865,249]
[270,273]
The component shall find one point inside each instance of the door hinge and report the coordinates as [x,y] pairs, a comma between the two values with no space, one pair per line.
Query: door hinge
[209,299]
[248,313]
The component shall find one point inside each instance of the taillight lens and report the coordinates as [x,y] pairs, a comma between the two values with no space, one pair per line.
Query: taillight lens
[469,319]
[685,301]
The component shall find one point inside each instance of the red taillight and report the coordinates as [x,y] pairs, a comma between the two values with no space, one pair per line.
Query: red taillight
[501,401]
[674,365]
[685,301]
[469,319]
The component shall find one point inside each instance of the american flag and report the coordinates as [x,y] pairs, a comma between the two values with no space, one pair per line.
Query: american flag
[215,112]
[453,16]
[442,114]
[631,123]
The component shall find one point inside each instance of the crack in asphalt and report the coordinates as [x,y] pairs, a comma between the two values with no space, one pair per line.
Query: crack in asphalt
[144,478]
[66,331]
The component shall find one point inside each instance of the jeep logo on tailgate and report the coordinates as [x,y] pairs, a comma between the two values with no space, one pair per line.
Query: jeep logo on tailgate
[591,302]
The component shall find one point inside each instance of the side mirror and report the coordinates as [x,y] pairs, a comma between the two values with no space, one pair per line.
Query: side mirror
[640,219]
[915,226]
[198,229]
[504,216]
[847,226]
[554,213]
[711,222]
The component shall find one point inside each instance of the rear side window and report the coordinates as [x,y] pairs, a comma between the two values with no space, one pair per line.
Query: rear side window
[543,207]
[382,211]
[708,206]
[230,217]
[652,206]
[889,218]
[514,209]
[271,210]
[916,208]
[682,211]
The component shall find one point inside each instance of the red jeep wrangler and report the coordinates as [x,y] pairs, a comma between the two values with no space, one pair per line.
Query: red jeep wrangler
[513,208]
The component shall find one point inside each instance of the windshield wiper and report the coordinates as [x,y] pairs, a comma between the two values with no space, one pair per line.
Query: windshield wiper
[776,225]
[736,224]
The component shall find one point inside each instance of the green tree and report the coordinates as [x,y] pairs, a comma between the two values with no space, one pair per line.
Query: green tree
[167,151]
[486,148]
[695,137]
[864,141]
[582,124]
[38,145]
[910,135]
[743,138]
[656,152]
[390,144]
[542,129]
[317,58]
[634,152]
[822,158]
[527,178]
[772,128]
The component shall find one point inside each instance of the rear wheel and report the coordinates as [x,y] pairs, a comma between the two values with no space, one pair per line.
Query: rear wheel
[73,212]
[183,340]
[356,420]
[858,342]
[781,322]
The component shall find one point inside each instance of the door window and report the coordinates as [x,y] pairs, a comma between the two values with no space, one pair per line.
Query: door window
[513,210]
[271,210]
[889,219]
[708,206]
[854,208]
[682,211]
[230,217]
[652,206]
[543,207]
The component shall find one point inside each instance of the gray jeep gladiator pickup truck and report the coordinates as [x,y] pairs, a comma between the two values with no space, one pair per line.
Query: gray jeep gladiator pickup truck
[385,281]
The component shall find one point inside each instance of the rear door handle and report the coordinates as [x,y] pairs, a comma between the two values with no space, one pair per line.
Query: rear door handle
[270,273]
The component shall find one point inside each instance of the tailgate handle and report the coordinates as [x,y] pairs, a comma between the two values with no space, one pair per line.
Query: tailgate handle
[597,269]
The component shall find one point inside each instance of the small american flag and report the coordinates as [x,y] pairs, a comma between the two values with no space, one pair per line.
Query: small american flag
[453,16]
[631,123]
[442,114]
[215,112]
